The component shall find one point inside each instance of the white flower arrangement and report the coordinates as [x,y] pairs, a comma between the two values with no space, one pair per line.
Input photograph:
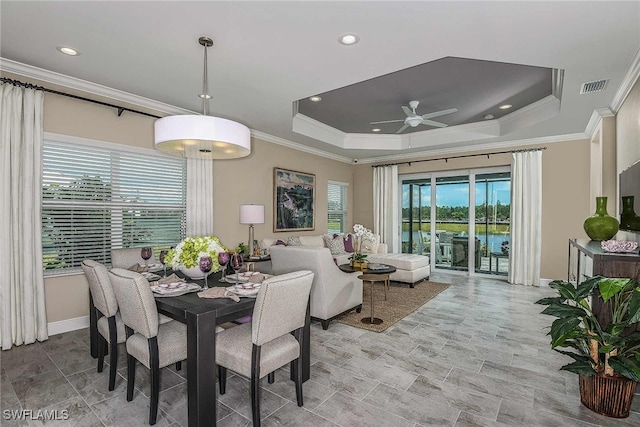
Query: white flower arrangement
[188,252]
[361,233]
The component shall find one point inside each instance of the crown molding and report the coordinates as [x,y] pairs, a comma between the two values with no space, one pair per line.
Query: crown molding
[297,146]
[477,147]
[596,119]
[627,83]
[89,87]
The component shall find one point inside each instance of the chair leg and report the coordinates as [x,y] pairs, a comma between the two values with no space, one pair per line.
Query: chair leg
[113,350]
[102,343]
[359,308]
[325,324]
[271,377]
[131,369]
[154,363]
[222,379]
[297,366]
[178,366]
[255,385]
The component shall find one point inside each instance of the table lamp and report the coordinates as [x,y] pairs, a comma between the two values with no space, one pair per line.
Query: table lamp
[251,214]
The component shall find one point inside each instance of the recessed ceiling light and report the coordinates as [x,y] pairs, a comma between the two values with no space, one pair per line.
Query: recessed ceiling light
[488,116]
[204,96]
[505,106]
[349,39]
[376,130]
[68,50]
[315,99]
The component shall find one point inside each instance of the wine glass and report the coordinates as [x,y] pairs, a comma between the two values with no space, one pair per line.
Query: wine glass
[163,260]
[205,266]
[145,253]
[236,264]
[223,259]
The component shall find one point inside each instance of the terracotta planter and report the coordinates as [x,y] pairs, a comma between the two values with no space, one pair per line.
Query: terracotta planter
[609,396]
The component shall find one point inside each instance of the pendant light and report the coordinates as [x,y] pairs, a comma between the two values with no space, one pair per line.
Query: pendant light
[202,137]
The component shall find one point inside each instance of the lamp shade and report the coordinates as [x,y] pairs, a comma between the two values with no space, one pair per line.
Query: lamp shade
[202,137]
[251,214]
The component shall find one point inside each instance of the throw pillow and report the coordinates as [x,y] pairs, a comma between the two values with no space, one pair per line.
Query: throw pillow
[294,241]
[280,243]
[370,246]
[348,243]
[335,244]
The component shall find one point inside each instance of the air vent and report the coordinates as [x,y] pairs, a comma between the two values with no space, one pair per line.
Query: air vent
[595,86]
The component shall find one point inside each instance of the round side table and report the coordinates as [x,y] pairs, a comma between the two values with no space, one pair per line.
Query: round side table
[372,279]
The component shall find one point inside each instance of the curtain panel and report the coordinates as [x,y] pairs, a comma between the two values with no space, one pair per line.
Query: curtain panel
[385,206]
[23,317]
[199,197]
[526,218]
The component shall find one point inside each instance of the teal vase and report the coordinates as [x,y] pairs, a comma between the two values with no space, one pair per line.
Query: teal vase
[601,225]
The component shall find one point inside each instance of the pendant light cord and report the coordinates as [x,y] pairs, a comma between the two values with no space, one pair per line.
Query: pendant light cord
[205,85]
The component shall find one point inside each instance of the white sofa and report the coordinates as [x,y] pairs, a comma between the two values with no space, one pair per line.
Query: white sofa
[411,268]
[332,292]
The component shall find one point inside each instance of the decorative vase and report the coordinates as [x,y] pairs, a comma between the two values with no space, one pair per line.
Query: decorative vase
[601,225]
[193,272]
[628,218]
[606,395]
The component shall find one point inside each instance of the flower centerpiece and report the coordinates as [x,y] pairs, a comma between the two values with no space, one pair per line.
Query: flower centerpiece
[360,232]
[186,255]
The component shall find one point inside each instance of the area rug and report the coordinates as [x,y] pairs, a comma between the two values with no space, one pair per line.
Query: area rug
[401,301]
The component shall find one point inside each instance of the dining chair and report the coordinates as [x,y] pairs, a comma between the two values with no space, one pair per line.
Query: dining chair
[125,258]
[109,324]
[257,349]
[153,344]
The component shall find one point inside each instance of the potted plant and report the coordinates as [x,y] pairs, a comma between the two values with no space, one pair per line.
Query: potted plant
[358,259]
[186,255]
[605,356]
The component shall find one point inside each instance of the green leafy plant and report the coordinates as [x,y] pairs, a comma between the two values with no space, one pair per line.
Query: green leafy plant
[596,348]
[187,253]
[357,257]
[242,248]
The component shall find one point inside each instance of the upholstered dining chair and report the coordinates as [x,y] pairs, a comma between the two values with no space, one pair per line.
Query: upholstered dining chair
[257,349]
[125,258]
[153,344]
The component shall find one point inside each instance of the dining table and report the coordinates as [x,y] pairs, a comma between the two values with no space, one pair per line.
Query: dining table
[202,315]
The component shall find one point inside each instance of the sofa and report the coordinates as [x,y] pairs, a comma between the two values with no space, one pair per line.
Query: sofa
[410,268]
[333,291]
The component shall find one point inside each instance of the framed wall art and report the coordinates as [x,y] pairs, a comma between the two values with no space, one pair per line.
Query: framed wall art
[294,197]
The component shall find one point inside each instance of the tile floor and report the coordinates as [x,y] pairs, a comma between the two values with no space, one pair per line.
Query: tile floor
[476,355]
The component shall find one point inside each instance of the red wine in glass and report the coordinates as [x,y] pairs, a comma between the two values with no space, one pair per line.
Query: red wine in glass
[223,259]
[145,253]
[236,264]
[206,263]
[163,260]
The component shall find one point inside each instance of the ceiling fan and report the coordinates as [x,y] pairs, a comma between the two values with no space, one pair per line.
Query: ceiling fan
[414,119]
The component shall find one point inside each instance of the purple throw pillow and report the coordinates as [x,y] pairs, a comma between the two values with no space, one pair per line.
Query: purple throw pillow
[348,243]
[281,243]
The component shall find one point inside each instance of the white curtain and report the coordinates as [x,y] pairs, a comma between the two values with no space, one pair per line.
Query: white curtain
[199,197]
[526,218]
[385,206]
[23,317]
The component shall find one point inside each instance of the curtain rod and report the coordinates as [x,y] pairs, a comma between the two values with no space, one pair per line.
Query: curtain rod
[446,159]
[81,98]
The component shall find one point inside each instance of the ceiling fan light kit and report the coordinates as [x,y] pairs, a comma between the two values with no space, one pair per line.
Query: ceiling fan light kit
[414,120]
[202,136]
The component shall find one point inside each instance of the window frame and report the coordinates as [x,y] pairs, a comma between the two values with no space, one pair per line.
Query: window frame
[344,186]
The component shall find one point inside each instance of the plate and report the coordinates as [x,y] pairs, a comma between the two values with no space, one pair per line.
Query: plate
[244,277]
[174,289]
[154,267]
[150,276]
[250,293]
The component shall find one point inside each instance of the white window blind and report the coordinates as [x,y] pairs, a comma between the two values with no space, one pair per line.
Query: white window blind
[95,199]
[337,204]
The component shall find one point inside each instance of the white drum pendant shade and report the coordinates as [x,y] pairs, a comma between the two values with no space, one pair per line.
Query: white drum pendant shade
[202,137]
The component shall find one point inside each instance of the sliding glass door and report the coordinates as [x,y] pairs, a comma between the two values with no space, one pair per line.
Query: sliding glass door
[437,219]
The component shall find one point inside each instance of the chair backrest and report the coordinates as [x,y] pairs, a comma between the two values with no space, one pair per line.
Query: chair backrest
[281,306]
[137,305]
[100,287]
[125,258]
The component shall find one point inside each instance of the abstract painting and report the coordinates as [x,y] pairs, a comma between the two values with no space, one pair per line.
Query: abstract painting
[294,196]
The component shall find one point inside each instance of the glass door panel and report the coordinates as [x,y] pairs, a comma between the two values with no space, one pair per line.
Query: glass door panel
[493,219]
[452,222]
[416,216]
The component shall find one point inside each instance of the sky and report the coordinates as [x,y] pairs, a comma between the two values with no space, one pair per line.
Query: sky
[458,194]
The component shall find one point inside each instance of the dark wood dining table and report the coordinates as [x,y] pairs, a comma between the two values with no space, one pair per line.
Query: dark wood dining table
[201,315]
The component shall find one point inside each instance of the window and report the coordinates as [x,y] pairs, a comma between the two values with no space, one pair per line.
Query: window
[337,207]
[96,198]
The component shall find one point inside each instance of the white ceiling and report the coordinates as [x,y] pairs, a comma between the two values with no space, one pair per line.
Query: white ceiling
[268,54]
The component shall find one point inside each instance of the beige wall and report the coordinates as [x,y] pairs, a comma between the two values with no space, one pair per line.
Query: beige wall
[565,195]
[236,182]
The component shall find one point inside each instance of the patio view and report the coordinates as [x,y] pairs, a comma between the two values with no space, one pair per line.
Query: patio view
[489,222]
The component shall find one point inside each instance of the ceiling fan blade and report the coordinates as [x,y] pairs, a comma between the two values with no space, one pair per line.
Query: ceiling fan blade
[402,128]
[439,113]
[407,111]
[433,123]
[386,121]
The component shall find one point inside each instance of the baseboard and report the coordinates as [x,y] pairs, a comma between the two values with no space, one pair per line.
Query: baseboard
[545,282]
[67,325]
